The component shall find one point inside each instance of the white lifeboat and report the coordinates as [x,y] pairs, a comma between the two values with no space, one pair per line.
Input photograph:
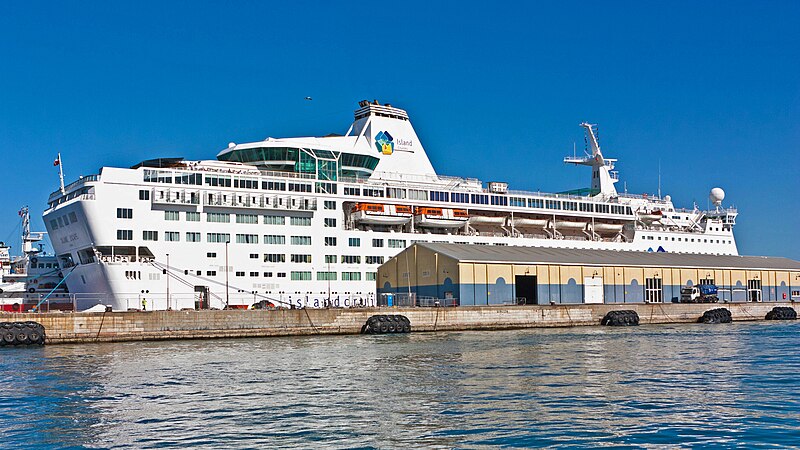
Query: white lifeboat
[526,222]
[497,221]
[649,217]
[380,214]
[569,225]
[606,228]
[427,217]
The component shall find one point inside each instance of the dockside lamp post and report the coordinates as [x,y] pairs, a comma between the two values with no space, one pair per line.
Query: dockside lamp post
[166,271]
[227,295]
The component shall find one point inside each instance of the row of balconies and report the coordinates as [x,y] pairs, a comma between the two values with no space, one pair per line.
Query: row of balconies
[212,199]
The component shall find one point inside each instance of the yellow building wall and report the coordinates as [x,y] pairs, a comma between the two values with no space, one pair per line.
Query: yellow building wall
[654,272]
[719,276]
[524,269]
[554,274]
[388,273]
[406,268]
[573,272]
[754,275]
[666,277]
[495,271]
[426,267]
[449,268]
[608,275]
[466,273]
[738,276]
[687,275]
[588,271]
[634,274]
[543,274]
[794,279]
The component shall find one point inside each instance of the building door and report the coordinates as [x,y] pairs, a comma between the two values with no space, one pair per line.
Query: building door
[526,289]
[593,289]
[653,291]
[201,297]
[754,290]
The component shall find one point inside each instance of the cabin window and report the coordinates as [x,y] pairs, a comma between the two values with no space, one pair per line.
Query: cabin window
[300,258]
[274,239]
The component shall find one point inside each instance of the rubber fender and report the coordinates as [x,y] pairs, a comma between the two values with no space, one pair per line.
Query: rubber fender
[22,333]
[8,337]
[620,318]
[386,324]
[34,335]
[716,315]
[782,313]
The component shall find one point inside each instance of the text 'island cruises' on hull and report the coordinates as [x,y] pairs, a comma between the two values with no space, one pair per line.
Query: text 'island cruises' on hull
[306,221]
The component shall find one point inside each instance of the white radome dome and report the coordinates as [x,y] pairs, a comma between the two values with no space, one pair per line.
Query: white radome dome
[717,195]
[668,198]
[231,144]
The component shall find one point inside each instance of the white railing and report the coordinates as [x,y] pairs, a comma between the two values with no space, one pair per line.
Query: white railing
[262,202]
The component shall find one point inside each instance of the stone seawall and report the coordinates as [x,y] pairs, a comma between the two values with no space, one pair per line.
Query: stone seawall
[158,325]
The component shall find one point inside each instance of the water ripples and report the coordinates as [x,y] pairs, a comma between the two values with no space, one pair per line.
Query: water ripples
[652,386]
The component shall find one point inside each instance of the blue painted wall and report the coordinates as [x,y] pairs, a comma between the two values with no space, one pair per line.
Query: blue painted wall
[500,292]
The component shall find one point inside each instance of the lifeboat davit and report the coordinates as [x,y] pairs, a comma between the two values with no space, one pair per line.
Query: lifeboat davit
[380,214]
[440,217]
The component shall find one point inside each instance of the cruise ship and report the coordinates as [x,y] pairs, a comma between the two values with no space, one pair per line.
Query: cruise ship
[306,221]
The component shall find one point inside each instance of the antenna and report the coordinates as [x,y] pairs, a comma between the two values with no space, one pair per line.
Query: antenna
[659,178]
[60,171]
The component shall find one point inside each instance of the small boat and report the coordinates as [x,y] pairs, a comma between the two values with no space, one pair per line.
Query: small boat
[649,217]
[427,217]
[381,214]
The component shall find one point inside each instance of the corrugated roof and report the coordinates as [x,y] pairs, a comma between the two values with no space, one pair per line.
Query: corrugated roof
[570,256]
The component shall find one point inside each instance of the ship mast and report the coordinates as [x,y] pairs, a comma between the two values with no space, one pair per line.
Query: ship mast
[57,162]
[603,174]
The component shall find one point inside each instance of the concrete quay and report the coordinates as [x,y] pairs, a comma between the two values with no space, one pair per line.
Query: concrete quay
[62,328]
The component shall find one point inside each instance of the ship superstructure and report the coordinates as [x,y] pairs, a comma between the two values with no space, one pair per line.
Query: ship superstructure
[305,222]
[33,279]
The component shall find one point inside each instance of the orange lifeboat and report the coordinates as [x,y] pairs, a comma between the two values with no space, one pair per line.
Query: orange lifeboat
[427,217]
[380,214]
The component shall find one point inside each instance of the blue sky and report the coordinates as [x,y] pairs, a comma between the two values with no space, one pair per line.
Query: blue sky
[495,91]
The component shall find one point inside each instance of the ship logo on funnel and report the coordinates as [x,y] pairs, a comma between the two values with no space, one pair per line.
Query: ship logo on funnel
[384,142]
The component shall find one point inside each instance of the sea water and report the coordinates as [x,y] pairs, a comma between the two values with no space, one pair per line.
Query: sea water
[733,385]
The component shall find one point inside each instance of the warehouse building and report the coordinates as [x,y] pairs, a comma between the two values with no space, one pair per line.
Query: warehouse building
[492,275]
